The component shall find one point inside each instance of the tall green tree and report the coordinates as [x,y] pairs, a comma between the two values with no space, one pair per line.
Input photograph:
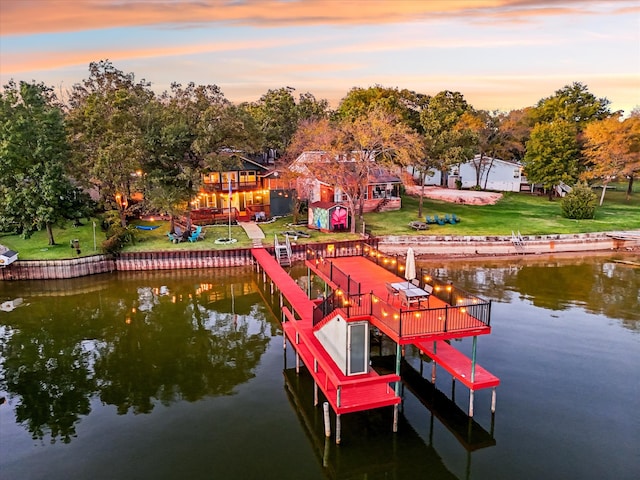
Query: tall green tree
[552,155]
[35,189]
[574,104]
[277,116]
[106,132]
[404,104]
[449,135]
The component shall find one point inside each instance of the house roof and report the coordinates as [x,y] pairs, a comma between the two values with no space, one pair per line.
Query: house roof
[377,174]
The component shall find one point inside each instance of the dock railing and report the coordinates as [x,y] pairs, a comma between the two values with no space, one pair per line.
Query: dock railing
[462,310]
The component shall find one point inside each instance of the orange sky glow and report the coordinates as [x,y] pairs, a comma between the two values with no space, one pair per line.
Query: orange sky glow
[500,54]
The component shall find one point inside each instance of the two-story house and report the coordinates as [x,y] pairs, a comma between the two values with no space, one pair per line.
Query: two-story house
[245,192]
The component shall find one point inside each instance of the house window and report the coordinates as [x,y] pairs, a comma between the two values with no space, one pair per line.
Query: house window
[248,178]
[516,173]
[212,178]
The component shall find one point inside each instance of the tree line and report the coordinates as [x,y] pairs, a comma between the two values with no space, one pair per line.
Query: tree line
[116,136]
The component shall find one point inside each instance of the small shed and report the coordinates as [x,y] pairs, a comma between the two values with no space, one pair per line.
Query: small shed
[328,216]
[8,257]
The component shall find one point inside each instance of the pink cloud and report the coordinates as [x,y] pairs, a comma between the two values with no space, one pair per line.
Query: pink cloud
[30,16]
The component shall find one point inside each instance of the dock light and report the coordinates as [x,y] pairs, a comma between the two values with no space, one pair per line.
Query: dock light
[384,313]
[437,288]
[331,247]
[396,316]
[463,310]
[448,288]
[345,303]
[417,315]
[374,299]
[393,262]
[427,278]
[339,292]
[401,267]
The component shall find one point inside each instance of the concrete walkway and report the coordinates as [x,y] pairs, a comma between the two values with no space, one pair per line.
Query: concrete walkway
[254,232]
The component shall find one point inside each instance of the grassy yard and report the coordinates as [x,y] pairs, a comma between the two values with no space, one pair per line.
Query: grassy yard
[531,215]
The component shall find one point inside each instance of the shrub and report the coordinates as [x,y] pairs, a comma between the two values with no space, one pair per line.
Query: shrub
[579,203]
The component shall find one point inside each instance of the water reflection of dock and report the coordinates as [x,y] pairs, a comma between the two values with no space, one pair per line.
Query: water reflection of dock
[374,453]
[471,435]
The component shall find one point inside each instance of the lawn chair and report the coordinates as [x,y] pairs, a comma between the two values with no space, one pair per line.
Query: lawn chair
[430,220]
[449,219]
[195,235]
[176,236]
[438,220]
[455,218]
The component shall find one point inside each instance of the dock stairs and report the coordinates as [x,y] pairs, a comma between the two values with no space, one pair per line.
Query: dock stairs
[283,250]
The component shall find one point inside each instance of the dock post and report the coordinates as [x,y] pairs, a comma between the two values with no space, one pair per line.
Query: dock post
[315,394]
[297,362]
[433,372]
[473,359]
[398,358]
[337,429]
[271,287]
[327,419]
[471,403]
[395,418]
[281,300]
[493,400]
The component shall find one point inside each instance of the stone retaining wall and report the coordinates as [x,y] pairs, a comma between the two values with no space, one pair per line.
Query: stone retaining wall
[503,245]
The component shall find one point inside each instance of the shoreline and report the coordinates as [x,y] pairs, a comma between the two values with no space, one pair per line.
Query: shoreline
[426,248]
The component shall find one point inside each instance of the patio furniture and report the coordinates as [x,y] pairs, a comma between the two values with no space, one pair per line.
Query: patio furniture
[439,220]
[416,225]
[391,292]
[195,235]
[410,294]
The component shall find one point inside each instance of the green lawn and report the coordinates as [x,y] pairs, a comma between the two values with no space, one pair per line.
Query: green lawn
[531,215]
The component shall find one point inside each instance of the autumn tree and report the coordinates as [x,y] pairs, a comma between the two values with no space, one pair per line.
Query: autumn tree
[612,149]
[36,191]
[552,155]
[352,149]
[106,132]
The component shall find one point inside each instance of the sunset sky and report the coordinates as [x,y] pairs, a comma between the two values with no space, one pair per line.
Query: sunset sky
[500,54]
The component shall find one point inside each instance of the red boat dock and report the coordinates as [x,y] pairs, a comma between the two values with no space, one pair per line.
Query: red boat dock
[357,278]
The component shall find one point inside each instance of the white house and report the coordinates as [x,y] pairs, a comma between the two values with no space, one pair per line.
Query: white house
[492,174]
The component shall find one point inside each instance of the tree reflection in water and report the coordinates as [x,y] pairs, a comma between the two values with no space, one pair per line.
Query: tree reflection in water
[145,339]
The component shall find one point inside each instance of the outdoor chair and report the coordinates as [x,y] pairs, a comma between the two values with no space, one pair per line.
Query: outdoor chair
[195,235]
[430,219]
[449,219]
[175,237]
[439,220]
[455,218]
[391,292]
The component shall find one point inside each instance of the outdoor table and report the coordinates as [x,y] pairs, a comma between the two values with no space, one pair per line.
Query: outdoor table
[414,294]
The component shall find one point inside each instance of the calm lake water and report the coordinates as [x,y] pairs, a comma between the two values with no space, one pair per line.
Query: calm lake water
[182,375]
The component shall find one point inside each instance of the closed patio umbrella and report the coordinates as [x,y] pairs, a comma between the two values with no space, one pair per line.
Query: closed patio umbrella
[410,266]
